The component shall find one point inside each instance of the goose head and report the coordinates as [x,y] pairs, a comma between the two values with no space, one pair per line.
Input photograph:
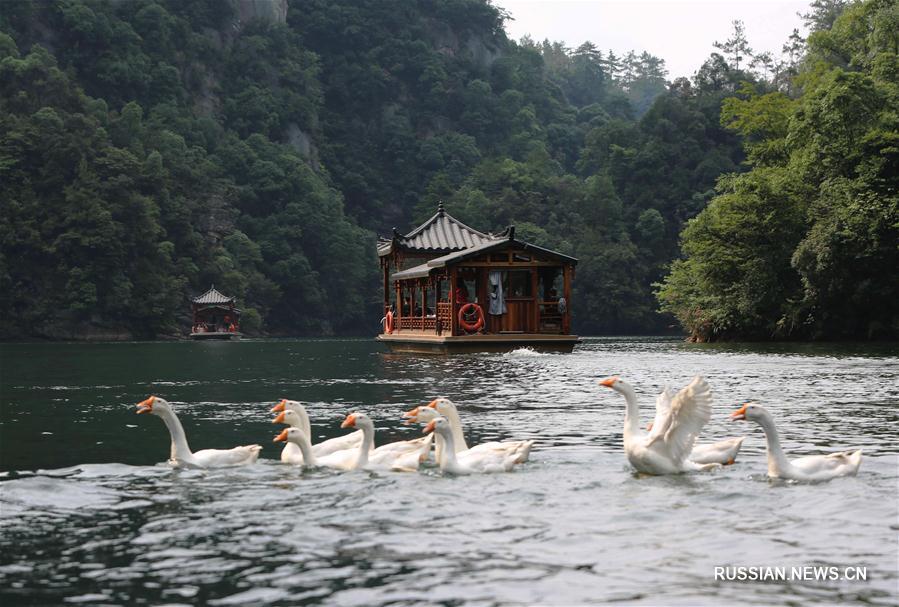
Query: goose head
[292,435]
[615,383]
[286,405]
[289,417]
[443,405]
[357,420]
[440,425]
[421,415]
[751,412]
[154,405]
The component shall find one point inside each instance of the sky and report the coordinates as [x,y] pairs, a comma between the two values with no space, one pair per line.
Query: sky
[679,32]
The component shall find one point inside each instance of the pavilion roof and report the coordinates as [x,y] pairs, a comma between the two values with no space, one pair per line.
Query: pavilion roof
[422,270]
[212,296]
[441,233]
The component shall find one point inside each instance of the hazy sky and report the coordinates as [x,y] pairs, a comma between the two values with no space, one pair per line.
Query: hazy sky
[679,32]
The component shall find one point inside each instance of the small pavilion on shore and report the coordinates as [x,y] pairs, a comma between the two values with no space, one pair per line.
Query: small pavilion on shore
[215,316]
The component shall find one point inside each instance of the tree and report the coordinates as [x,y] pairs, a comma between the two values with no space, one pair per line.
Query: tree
[736,48]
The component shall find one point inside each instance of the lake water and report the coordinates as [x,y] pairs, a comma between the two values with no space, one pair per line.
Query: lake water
[89,515]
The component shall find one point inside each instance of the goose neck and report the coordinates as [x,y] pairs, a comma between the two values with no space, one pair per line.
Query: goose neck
[305,426]
[180,449]
[632,412]
[306,447]
[439,448]
[452,415]
[365,447]
[777,459]
[448,461]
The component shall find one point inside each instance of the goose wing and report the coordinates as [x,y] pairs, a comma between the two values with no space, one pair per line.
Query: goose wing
[238,456]
[347,441]
[663,414]
[690,410]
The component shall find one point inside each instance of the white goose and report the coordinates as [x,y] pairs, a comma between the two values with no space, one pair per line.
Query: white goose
[665,449]
[402,456]
[181,455]
[425,414]
[294,414]
[722,452]
[447,408]
[809,468]
[468,462]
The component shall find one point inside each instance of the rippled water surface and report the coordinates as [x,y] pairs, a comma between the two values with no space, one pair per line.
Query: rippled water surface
[89,515]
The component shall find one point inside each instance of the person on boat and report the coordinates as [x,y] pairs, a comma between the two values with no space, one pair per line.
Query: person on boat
[461,294]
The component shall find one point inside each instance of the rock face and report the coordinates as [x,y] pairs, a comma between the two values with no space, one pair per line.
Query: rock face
[274,11]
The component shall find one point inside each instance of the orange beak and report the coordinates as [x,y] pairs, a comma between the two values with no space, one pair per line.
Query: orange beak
[739,413]
[649,427]
[281,438]
[279,419]
[279,407]
[433,404]
[608,381]
[411,416]
[430,427]
[145,406]
[349,422]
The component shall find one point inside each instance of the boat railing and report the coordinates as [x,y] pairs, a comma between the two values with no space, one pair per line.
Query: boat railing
[417,323]
[551,318]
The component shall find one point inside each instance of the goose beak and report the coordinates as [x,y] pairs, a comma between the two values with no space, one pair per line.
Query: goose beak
[281,438]
[411,416]
[649,427]
[609,381]
[279,419]
[279,407]
[349,422]
[430,427]
[739,413]
[433,404]
[145,406]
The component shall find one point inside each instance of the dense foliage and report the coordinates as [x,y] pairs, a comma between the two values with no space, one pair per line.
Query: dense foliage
[806,244]
[148,149]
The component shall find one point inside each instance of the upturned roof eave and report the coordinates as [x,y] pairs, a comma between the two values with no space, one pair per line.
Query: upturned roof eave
[423,270]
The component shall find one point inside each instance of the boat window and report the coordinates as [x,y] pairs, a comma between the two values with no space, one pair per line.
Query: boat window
[518,283]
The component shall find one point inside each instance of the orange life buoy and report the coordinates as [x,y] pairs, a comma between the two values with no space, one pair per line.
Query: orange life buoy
[388,322]
[471,327]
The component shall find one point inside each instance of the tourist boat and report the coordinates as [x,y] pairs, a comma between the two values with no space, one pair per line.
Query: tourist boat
[451,288]
[214,316]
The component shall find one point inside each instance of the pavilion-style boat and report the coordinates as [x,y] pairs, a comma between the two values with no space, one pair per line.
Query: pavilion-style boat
[451,288]
[214,316]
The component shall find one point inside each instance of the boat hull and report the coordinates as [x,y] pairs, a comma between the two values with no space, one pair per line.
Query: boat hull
[216,335]
[450,344]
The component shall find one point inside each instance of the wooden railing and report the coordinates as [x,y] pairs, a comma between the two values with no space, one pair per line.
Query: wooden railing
[417,323]
[551,320]
[445,317]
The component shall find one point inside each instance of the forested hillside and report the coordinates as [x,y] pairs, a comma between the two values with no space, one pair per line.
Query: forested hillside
[152,148]
[806,244]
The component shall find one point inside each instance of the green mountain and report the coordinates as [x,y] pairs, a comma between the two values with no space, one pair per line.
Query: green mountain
[148,149]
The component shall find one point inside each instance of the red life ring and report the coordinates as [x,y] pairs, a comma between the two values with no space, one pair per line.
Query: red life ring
[388,322]
[471,327]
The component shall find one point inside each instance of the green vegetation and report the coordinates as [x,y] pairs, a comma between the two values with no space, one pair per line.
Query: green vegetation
[806,244]
[148,149]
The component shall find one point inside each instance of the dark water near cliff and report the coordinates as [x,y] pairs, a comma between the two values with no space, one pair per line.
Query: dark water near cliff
[88,515]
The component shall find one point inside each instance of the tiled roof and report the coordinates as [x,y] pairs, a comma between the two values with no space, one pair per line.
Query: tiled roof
[442,232]
[420,271]
[212,297]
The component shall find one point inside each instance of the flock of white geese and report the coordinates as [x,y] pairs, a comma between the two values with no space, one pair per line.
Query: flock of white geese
[667,445]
